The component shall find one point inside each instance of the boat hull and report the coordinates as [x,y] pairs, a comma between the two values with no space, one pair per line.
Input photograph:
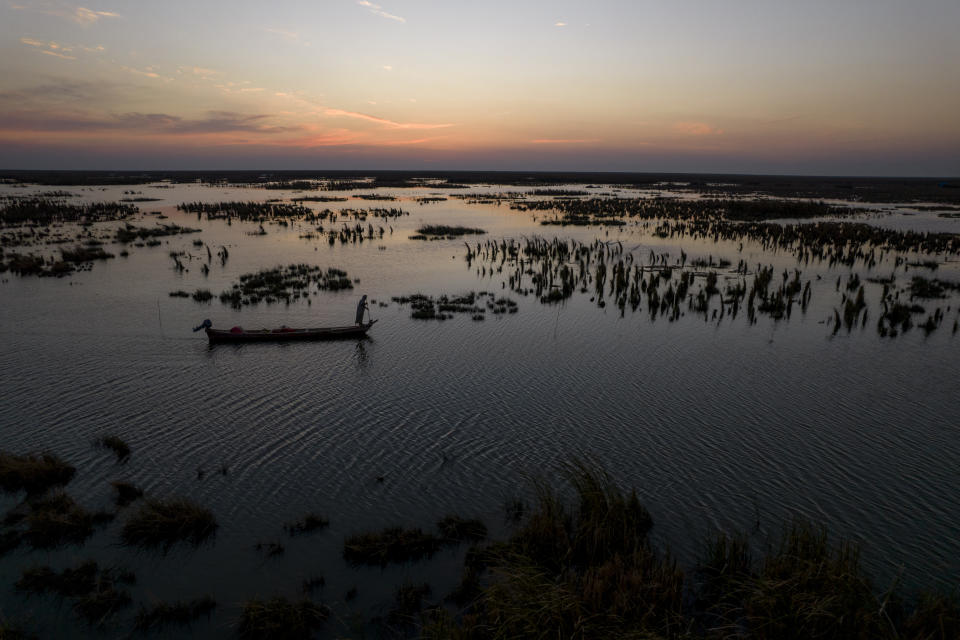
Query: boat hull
[284,335]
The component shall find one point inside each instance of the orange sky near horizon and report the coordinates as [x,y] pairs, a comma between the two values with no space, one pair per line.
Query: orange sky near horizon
[866,88]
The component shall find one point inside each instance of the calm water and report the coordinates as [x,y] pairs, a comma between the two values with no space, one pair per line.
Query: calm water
[716,425]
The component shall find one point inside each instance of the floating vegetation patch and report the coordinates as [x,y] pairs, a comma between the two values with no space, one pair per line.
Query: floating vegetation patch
[279,618]
[44,211]
[166,522]
[374,196]
[33,472]
[93,591]
[439,231]
[173,614]
[284,284]
[319,199]
[131,233]
[84,254]
[246,211]
[443,308]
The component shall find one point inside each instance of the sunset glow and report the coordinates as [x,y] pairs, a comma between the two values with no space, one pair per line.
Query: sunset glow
[815,87]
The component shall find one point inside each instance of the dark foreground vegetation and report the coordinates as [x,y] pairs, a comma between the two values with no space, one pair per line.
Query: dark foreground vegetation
[578,563]
[586,568]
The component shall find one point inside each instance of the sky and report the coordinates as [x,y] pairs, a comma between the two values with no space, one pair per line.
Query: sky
[848,87]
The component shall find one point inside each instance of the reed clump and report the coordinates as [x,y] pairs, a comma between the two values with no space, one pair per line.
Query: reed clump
[391,545]
[280,619]
[115,444]
[126,492]
[169,614]
[585,568]
[33,472]
[55,519]
[307,524]
[165,522]
[456,529]
[435,231]
[94,591]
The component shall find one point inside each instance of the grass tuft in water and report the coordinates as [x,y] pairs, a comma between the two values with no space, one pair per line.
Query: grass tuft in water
[165,522]
[279,618]
[34,473]
[167,614]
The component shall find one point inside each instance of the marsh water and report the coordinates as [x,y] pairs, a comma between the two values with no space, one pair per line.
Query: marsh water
[718,424]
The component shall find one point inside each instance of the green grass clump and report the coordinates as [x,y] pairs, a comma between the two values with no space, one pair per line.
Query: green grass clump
[178,613]
[115,444]
[279,618]
[165,522]
[34,473]
[393,544]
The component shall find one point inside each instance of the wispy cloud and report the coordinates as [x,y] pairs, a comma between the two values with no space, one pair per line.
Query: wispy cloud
[564,140]
[696,129]
[384,121]
[286,34]
[388,67]
[377,10]
[58,50]
[147,72]
[201,72]
[215,122]
[80,15]
[559,24]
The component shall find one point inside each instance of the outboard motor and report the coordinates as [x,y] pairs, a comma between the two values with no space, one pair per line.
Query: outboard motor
[206,324]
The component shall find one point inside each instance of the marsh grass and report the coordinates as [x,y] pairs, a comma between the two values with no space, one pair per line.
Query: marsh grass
[165,522]
[55,519]
[115,444]
[33,472]
[126,492]
[307,524]
[281,619]
[167,614]
[456,529]
[94,591]
[585,568]
[391,545]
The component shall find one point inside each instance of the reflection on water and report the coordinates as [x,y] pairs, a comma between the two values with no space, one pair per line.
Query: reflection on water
[717,425]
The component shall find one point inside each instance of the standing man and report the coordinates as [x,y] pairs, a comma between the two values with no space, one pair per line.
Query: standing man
[361,308]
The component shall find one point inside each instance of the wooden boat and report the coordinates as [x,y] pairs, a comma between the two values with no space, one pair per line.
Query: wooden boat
[237,334]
